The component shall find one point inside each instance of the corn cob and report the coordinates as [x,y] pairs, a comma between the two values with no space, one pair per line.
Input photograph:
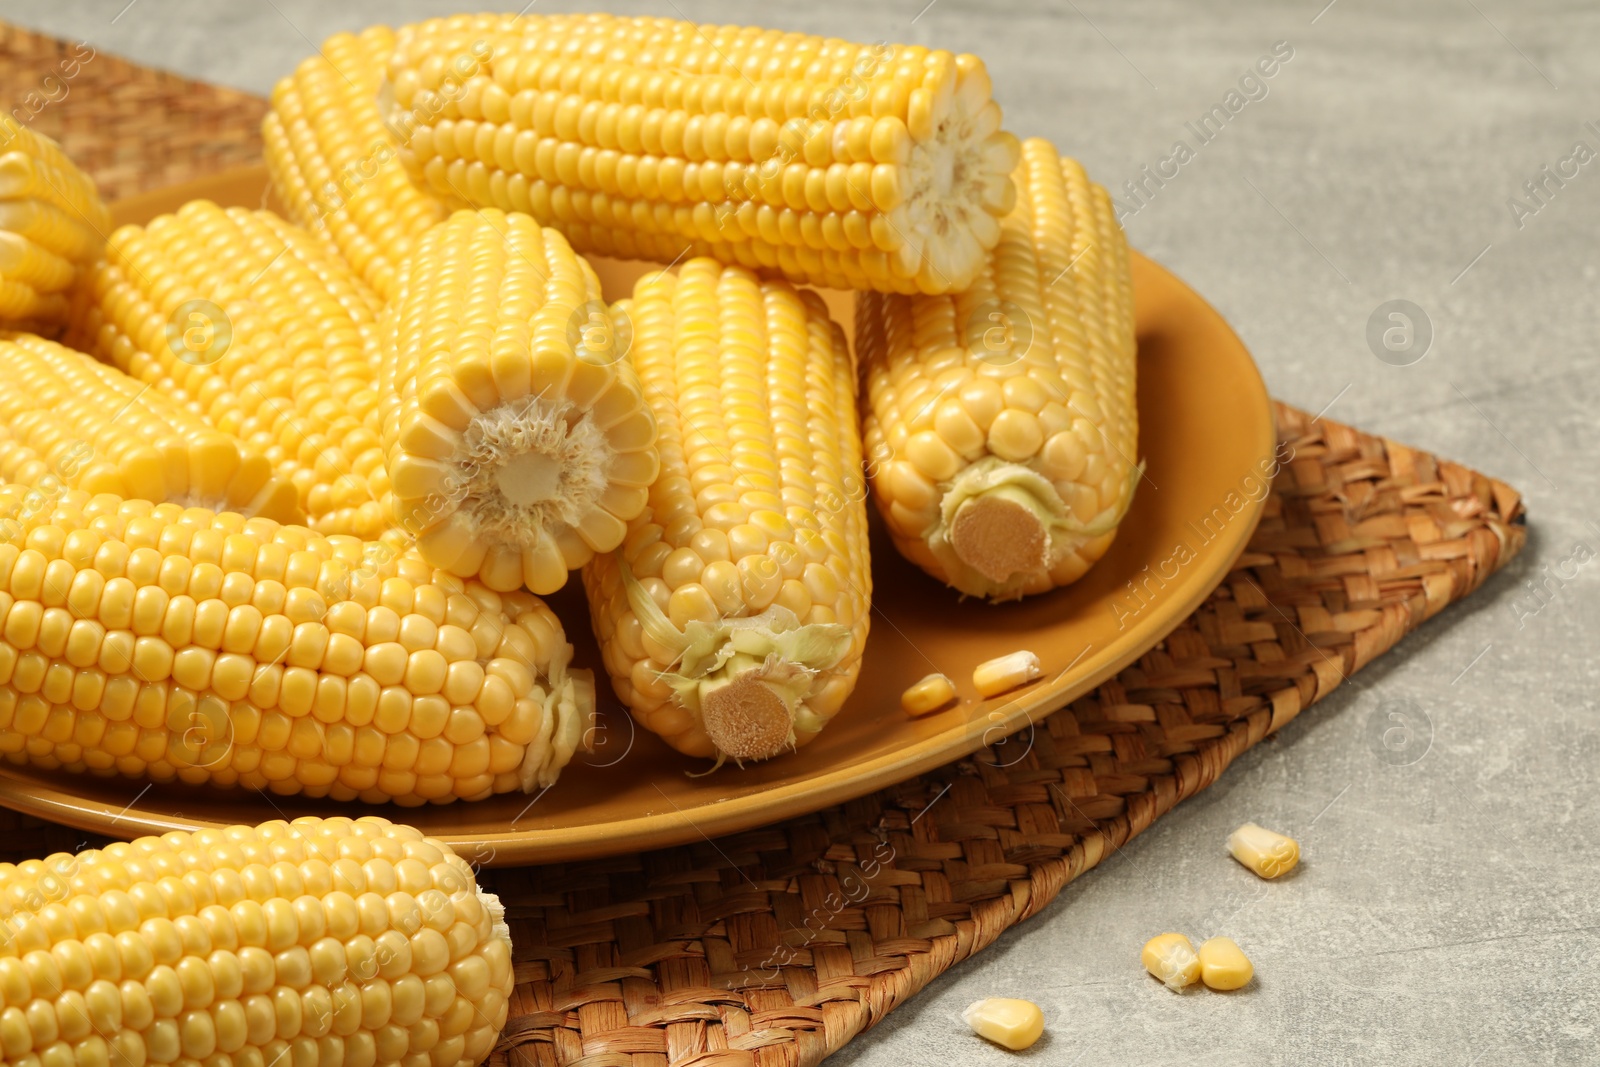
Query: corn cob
[153,641]
[321,941]
[732,619]
[69,422]
[284,355]
[517,443]
[1001,421]
[880,167]
[52,223]
[332,159]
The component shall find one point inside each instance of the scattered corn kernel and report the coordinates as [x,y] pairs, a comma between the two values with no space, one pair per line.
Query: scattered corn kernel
[1012,1024]
[1267,853]
[1223,964]
[995,676]
[1171,958]
[929,694]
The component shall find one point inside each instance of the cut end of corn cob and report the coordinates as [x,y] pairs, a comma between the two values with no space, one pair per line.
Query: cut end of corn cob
[732,617]
[518,444]
[1002,420]
[854,166]
[747,678]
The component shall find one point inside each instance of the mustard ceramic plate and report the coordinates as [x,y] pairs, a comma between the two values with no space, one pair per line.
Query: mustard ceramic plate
[1206,433]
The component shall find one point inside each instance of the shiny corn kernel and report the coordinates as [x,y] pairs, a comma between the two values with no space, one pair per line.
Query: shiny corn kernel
[1172,959]
[1223,964]
[929,694]
[1012,1024]
[1003,673]
[1264,851]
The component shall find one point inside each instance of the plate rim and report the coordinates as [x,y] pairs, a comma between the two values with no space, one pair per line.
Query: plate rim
[27,790]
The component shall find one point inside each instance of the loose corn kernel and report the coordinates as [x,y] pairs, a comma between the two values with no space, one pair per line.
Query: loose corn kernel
[1003,419]
[929,694]
[1171,958]
[1264,851]
[1223,964]
[733,616]
[996,676]
[1009,1023]
[359,938]
[825,162]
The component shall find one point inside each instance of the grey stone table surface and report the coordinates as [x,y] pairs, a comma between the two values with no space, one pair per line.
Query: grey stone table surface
[1446,912]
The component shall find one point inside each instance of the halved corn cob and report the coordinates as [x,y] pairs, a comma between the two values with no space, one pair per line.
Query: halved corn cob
[1001,421]
[332,159]
[517,443]
[67,421]
[855,166]
[317,942]
[256,328]
[153,641]
[732,619]
[52,223]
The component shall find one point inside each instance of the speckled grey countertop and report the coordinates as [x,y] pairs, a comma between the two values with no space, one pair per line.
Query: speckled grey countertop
[1446,912]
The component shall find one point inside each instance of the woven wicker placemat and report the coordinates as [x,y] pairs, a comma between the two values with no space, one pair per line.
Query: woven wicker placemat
[131,127]
[776,946]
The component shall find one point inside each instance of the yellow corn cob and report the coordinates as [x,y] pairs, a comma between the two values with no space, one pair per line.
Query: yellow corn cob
[855,166]
[256,328]
[518,445]
[733,617]
[332,159]
[52,223]
[321,941]
[153,641]
[1001,421]
[69,422]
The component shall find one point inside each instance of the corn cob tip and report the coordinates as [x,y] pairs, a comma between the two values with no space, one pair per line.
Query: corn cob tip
[1002,526]
[748,678]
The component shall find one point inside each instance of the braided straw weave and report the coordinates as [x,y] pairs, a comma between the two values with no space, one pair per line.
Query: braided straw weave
[776,946]
[131,127]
